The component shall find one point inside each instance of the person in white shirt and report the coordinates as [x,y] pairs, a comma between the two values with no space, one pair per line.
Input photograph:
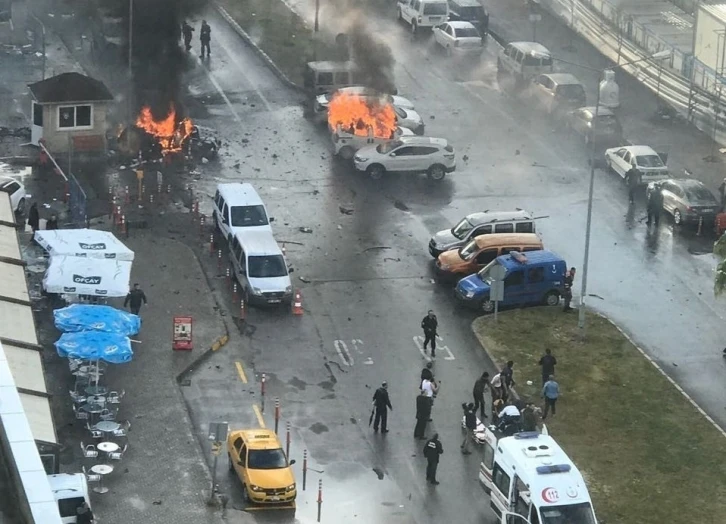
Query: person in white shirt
[429,387]
[497,387]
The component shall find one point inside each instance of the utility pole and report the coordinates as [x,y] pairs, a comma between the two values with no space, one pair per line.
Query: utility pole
[130,93]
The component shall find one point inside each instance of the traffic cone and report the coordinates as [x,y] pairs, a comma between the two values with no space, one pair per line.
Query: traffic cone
[297,308]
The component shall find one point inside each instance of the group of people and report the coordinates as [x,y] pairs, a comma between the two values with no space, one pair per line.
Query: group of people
[205,37]
[34,219]
[654,205]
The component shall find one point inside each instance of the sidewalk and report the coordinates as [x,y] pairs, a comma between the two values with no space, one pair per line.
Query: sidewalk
[163,477]
[686,146]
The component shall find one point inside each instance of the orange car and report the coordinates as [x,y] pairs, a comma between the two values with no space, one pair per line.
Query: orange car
[481,250]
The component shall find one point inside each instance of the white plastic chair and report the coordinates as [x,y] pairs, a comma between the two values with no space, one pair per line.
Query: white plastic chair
[80,414]
[78,398]
[89,451]
[107,414]
[91,477]
[118,455]
[114,397]
[95,433]
[123,430]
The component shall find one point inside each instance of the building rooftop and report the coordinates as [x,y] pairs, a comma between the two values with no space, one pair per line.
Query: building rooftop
[70,87]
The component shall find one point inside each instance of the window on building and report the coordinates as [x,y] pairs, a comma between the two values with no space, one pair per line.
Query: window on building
[74,117]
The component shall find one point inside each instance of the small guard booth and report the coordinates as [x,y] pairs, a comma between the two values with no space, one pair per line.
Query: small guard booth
[69,113]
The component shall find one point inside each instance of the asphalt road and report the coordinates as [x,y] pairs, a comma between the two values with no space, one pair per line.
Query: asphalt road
[371,277]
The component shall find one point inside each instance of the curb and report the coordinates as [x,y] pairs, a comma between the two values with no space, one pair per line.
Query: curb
[643,353]
[248,39]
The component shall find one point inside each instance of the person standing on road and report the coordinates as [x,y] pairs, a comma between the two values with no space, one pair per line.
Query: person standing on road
[470,423]
[134,299]
[423,413]
[480,386]
[382,404]
[34,217]
[432,450]
[497,384]
[550,393]
[427,373]
[507,379]
[187,31]
[567,294]
[51,223]
[722,192]
[655,205]
[633,179]
[429,324]
[205,36]
[548,363]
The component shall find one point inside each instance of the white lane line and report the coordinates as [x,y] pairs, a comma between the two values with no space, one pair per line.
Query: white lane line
[357,343]
[445,348]
[220,91]
[418,340]
[342,349]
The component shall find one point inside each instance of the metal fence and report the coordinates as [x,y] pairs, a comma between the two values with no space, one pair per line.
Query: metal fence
[74,195]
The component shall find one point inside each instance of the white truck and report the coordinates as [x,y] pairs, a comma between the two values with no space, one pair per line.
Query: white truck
[70,491]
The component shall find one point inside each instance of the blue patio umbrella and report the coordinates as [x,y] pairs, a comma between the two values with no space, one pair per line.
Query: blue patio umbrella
[95,345]
[88,317]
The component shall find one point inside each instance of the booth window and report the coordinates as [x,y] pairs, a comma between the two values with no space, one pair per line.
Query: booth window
[75,117]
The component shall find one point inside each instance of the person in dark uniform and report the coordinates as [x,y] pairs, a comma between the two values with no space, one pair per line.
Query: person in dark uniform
[483,23]
[548,363]
[480,386]
[633,178]
[423,413]
[569,279]
[34,217]
[51,223]
[134,299]
[655,205]
[205,36]
[429,324]
[382,404]
[470,423]
[187,31]
[432,450]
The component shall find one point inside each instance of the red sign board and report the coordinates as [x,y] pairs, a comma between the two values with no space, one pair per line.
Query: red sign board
[182,335]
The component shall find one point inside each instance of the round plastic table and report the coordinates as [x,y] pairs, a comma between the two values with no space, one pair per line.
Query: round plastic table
[103,470]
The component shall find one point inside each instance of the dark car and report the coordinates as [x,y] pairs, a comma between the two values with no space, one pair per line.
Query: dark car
[688,200]
[470,11]
[607,131]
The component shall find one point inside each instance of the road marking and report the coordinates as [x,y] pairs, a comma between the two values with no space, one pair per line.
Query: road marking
[241,372]
[356,344]
[342,349]
[220,91]
[419,340]
[258,414]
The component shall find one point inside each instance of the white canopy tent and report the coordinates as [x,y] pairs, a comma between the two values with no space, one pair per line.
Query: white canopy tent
[87,276]
[87,243]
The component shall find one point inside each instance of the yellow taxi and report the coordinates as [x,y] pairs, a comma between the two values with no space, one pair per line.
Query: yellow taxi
[261,465]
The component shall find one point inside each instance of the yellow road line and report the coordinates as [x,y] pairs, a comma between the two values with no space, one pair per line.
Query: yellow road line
[258,413]
[241,372]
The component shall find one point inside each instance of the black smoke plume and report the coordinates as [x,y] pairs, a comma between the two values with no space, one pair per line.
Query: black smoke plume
[373,57]
[158,58]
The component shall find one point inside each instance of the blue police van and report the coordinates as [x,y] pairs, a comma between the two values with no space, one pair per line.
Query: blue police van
[535,277]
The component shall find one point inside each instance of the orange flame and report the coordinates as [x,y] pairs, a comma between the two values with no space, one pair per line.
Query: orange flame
[168,132]
[356,115]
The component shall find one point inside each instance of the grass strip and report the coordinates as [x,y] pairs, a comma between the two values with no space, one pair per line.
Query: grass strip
[282,34]
[646,453]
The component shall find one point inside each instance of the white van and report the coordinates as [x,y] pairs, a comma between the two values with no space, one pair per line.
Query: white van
[238,207]
[70,491]
[423,13]
[260,268]
[524,61]
[530,475]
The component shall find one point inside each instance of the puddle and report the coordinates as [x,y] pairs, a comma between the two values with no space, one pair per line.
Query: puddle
[297,383]
[318,428]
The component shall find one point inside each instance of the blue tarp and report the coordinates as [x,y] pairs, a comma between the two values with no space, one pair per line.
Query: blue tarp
[95,345]
[87,317]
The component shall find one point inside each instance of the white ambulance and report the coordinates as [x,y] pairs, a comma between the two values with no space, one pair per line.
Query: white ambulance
[528,476]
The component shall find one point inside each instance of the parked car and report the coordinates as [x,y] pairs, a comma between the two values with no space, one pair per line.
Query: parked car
[651,165]
[482,223]
[523,61]
[607,131]
[410,119]
[470,11]
[238,207]
[459,39]
[257,458]
[408,154]
[688,200]
[16,190]
[322,101]
[537,277]
[346,144]
[557,93]
[423,14]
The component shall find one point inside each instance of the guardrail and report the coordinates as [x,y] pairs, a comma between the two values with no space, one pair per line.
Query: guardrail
[700,107]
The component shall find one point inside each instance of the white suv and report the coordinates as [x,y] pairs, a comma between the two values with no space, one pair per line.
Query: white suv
[423,13]
[408,154]
[16,190]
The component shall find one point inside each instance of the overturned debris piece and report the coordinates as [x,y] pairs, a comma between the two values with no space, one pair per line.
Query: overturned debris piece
[375,247]
[304,279]
[345,209]
[304,229]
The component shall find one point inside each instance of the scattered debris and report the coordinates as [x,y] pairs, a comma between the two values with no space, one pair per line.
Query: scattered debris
[379,473]
[516,152]
[375,247]
[465,158]
[304,229]
[400,205]
[391,259]
[304,279]
[316,192]
[345,210]
[340,227]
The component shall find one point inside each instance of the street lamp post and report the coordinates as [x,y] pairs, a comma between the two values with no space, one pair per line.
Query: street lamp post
[661,55]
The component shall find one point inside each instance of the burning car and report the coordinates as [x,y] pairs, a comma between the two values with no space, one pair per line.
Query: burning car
[346,143]
[323,101]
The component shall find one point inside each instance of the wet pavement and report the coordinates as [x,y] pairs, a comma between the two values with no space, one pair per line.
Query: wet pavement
[367,279]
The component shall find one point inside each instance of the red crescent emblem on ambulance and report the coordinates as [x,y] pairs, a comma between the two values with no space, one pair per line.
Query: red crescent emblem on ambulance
[550,495]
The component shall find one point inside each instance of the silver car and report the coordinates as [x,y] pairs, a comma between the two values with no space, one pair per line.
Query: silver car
[688,200]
